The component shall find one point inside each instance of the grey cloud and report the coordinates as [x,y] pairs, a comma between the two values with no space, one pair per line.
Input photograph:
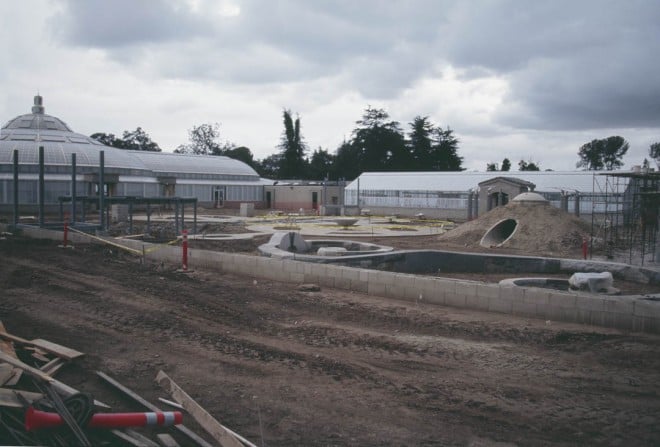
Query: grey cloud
[114,25]
[587,64]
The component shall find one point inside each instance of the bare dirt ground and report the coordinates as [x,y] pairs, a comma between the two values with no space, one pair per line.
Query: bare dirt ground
[284,367]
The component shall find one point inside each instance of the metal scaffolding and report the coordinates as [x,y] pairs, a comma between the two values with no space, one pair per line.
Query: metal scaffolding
[625,215]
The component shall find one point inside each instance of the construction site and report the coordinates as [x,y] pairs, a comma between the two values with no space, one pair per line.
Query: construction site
[279,351]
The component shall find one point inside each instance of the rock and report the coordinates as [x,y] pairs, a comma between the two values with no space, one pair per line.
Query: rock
[593,282]
[309,288]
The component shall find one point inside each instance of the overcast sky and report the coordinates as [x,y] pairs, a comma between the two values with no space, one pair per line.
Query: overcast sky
[520,79]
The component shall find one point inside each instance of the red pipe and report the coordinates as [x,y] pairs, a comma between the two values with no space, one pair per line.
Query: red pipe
[35,419]
[185,250]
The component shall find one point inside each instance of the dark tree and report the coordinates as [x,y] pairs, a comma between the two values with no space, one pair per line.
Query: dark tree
[241,153]
[348,162]
[444,152]
[654,152]
[292,146]
[137,140]
[420,143]
[506,165]
[204,140]
[528,166]
[269,167]
[321,165]
[603,154]
[490,167]
[108,139]
[379,144]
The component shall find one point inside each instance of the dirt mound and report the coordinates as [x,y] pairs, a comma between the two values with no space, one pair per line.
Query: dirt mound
[540,229]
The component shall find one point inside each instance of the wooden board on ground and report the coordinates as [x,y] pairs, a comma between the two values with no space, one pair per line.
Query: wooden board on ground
[9,375]
[145,403]
[166,440]
[38,374]
[50,347]
[9,398]
[218,431]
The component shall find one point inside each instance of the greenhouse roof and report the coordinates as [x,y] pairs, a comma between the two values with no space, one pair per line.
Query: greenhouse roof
[463,181]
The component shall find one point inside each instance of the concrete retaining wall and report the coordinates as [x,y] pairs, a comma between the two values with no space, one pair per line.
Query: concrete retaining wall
[632,313]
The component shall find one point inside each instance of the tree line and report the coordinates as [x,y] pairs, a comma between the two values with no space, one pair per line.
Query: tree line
[377,143]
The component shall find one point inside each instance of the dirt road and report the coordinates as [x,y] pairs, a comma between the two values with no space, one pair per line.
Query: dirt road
[284,367]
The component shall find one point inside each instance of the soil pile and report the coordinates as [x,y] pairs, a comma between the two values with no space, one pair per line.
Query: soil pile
[541,229]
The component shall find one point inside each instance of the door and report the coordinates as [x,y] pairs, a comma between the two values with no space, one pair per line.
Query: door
[218,196]
[269,200]
[315,200]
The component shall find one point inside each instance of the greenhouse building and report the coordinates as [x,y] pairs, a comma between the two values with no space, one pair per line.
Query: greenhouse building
[213,180]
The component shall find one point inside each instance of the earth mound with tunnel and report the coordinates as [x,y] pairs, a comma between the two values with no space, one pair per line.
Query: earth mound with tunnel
[530,228]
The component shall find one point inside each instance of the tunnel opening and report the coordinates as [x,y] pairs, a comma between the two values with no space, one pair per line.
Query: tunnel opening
[499,233]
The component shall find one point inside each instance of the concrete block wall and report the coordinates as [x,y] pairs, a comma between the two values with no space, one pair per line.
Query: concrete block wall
[630,313]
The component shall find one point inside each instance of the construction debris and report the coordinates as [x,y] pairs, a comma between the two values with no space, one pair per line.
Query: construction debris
[37,409]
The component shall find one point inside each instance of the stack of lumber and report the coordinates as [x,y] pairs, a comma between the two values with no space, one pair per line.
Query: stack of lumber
[31,398]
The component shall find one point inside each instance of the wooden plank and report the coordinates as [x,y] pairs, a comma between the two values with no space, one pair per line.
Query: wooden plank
[50,347]
[145,403]
[9,398]
[10,375]
[170,403]
[58,350]
[140,437]
[133,440]
[218,431]
[64,389]
[166,440]
[51,367]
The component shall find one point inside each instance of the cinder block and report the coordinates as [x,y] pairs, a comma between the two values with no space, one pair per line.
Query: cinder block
[511,292]
[647,308]
[488,291]
[538,296]
[342,283]
[437,297]
[466,288]
[524,309]
[350,274]
[297,277]
[455,300]
[359,286]
[376,288]
[477,302]
[620,305]
[448,286]
[646,324]
[364,275]
[559,313]
[320,270]
[589,302]
[395,291]
[562,300]
[502,304]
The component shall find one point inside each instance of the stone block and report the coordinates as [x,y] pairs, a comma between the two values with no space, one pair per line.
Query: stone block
[647,308]
[524,309]
[376,288]
[502,305]
[466,288]
[455,300]
[488,291]
[477,302]
[589,302]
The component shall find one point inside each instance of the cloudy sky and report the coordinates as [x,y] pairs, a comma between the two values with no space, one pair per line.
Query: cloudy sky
[531,80]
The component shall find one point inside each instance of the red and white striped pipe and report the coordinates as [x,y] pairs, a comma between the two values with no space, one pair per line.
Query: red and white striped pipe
[35,419]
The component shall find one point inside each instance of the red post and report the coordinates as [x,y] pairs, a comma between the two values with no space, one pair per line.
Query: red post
[584,247]
[66,232]
[185,250]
